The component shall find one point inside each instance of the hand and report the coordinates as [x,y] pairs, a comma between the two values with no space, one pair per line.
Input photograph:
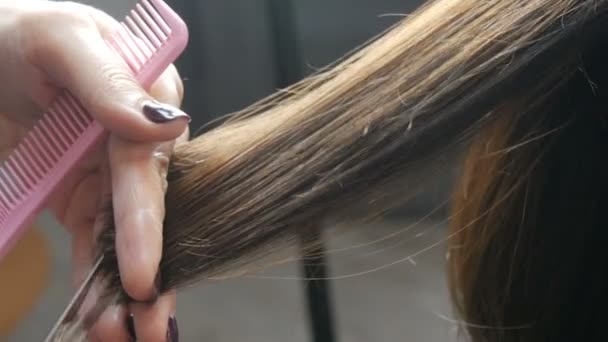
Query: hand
[49,46]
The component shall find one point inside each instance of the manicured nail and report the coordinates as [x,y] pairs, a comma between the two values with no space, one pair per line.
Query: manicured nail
[162,113]
[172,331]
[131,328]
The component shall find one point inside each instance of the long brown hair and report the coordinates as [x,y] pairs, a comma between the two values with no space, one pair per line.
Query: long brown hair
[519,81]
[528,257]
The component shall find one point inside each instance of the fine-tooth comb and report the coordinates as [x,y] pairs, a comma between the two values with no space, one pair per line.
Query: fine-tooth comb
[151,37]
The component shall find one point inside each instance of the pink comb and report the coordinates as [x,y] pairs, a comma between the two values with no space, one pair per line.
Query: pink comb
[149,40]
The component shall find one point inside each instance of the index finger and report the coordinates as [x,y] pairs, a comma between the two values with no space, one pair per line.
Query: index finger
[138,201]
[138,191]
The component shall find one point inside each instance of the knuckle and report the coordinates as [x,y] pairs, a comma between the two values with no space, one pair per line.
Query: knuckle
[118,85]
[114,83]
[116,78]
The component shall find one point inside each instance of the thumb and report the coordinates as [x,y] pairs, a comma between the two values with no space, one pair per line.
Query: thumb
[80,60]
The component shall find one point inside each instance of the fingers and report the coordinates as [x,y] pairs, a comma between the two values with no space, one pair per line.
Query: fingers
[138,321]
[74,203]
[111,326]
[75,56]
[81,215]
[65,43]
[138,199]
[168,88]
[156,322]
[138,183]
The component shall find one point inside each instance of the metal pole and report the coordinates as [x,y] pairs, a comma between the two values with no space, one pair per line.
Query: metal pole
[314,264]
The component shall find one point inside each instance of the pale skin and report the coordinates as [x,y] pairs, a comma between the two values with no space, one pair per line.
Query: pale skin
[46,46]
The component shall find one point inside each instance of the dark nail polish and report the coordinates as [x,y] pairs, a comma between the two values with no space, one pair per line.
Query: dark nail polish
[131,328]
[172,331]
[162,113]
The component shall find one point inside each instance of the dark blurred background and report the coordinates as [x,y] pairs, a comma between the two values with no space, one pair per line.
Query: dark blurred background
[232,57]
[239,52]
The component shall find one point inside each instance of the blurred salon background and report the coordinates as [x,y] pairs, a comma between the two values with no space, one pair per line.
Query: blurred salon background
[392,290]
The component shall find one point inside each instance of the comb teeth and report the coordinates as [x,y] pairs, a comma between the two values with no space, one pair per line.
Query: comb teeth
[40,150]
[149,40]
[142,34]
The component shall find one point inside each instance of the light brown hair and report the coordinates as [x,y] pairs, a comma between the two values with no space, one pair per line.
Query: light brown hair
[517,81]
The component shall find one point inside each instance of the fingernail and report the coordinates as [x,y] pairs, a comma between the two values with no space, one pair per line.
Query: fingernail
[131,328]
[172,331]
[162,113]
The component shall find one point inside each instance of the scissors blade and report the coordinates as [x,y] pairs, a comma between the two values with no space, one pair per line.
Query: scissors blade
[72,309]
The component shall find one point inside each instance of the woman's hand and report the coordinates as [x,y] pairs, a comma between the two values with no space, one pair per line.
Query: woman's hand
[48,46]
